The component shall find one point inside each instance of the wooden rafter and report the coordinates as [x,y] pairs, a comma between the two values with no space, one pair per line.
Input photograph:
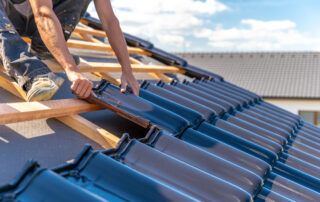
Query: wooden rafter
[90,130]
[11,86]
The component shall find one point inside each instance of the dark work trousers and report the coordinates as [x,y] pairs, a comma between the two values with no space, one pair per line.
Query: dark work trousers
[17,61]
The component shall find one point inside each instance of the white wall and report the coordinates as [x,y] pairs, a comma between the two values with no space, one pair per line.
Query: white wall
[294,105]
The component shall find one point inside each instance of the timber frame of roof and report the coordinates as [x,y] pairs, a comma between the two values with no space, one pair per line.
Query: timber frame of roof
[67,110]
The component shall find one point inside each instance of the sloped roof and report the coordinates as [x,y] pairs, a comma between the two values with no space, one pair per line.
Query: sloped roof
[204,145]
[269,74]
[205,140]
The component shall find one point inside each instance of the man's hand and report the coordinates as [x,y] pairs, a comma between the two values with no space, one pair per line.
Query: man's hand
[81,86]
[127,79]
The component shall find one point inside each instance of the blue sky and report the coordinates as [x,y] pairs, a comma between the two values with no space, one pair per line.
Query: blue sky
[303,12]
[223,25]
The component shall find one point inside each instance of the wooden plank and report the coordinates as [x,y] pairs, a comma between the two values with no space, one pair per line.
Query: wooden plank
[153,74]
[94,45]
[86,37]
[99,33]
[76,122]
[90,130]
[11,86]
[161,77]
[27,111]
[101,47]
[135,61]
[108,77]
[92,32]
[113,67]
[89,38]
[98,45]
[84,34]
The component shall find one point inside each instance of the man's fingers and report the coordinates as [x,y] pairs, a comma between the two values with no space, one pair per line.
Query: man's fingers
[85,88]
[81,85]
[74,86]
[82,88]
[124,86]
[135,87]
[89,89]
[135,90]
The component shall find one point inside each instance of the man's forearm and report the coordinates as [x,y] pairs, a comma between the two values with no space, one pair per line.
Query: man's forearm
[52,35]
[119,45]
[111,26]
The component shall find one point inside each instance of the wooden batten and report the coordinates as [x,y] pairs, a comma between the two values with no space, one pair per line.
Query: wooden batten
[113,67]
[108,77]
[92,32]
[27,111]
[161,76]
[101,47]
[59,109]
[67,110]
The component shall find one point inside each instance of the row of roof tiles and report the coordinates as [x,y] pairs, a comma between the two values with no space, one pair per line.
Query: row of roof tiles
[210,141]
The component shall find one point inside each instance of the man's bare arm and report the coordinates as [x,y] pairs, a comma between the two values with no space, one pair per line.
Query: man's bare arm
[111,26]
[52,35]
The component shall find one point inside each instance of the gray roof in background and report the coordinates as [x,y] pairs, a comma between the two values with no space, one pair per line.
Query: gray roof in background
[270,74]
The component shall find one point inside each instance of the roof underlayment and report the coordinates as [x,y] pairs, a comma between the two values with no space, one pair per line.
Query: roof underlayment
[200,140]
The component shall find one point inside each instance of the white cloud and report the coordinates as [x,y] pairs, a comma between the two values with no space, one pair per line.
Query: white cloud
[174,24]
[269,25]
[259,35]
[171,39]
[165,22]
[177,6]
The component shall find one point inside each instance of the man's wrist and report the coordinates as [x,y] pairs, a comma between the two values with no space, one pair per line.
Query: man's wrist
[127,70]
[71,68]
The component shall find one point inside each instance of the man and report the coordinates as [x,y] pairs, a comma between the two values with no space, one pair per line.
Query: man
[49,23]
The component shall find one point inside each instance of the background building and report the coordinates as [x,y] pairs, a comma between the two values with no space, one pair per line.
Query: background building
[290,80]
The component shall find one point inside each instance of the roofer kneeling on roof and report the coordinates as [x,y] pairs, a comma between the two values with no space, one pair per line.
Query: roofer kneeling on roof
[49,23]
